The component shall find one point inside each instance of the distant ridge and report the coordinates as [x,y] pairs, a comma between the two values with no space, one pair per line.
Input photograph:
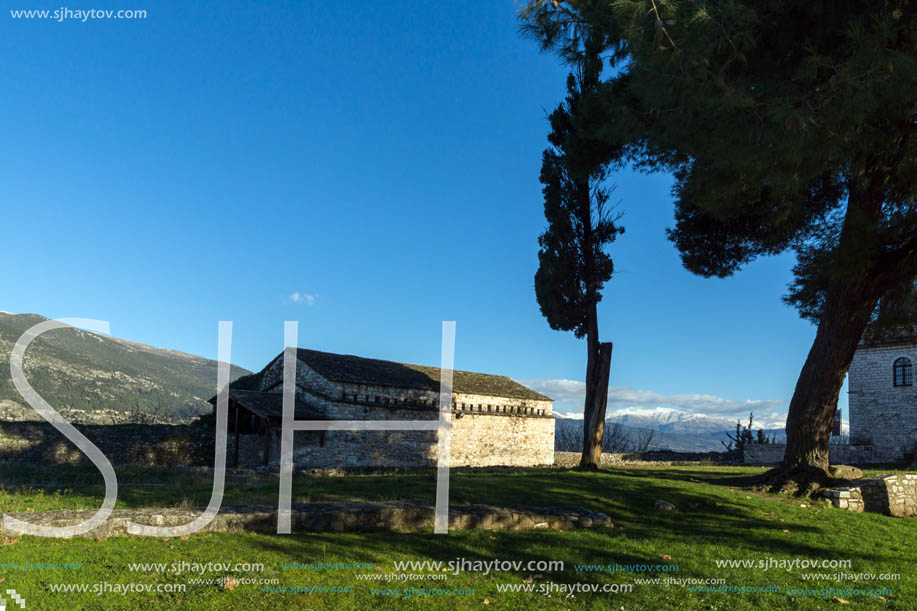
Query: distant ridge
[569,434]
[74,369]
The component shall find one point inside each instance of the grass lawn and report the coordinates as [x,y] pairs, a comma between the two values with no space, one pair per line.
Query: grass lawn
[715,520]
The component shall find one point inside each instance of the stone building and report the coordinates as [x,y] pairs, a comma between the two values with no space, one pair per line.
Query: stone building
[883,398]
[882,405]
[494,420]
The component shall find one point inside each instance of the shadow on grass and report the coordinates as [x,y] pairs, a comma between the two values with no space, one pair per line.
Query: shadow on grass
[709,512]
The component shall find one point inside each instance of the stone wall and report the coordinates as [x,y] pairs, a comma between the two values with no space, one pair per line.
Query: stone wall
[850,454]
[764,453]
[349,516]
[484,440]
[656,458]
[322,391]
[153,444]
[840,454]
[893,495]
[477,440]
[882,415]
[363,449]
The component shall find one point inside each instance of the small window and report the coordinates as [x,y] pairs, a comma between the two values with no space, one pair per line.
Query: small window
[904,372]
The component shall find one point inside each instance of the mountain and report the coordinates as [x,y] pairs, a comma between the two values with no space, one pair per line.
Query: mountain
[680,421]
[92,377]
[672,429]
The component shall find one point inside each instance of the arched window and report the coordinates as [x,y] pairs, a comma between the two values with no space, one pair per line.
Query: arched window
[904,375]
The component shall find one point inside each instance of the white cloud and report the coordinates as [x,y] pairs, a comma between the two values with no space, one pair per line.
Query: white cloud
[569,393]
[302,298]
[709,404]
[559,390]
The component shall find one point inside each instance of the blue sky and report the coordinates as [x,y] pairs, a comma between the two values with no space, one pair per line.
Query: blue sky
[380,161]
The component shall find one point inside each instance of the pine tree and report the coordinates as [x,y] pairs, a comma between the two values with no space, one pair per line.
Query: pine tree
[573,265]
[788,126]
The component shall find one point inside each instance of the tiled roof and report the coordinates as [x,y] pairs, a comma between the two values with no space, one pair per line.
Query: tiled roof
[900,335]
[351,369]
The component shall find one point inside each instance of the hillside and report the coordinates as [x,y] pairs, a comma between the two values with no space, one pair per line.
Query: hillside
[101,377]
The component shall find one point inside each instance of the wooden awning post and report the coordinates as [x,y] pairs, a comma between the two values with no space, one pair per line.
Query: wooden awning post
[236,464]
[267,441]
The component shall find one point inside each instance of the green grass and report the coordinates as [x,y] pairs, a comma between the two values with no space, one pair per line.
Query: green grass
[716,519]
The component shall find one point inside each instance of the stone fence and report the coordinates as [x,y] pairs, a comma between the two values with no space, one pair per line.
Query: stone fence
[166,445]
[841,454]
[658,458]
[408,515]
[162,445]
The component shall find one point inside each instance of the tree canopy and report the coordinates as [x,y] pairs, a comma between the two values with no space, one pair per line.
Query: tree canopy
[768,114]
[573,263]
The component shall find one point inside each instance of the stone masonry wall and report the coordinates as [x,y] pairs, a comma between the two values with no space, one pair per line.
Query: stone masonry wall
[882,415]
[252,447]
[653,458]
[483,440]
[342,516]
[360,449]
[323,390]
[476,440]
[894,495]
[764,453]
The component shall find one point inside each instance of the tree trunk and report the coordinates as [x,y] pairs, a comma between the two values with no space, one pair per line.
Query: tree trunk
[598,367]
[594,415]
[850,300]
[592,360]
[814,401]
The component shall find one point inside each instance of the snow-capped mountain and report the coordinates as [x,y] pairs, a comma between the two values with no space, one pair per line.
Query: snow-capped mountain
[681,421]
[676,429]
[675,420]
